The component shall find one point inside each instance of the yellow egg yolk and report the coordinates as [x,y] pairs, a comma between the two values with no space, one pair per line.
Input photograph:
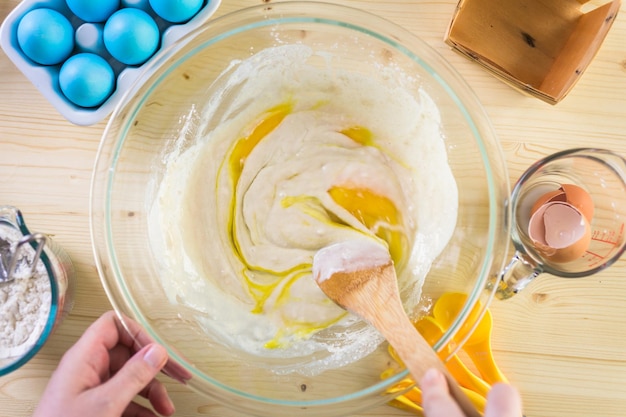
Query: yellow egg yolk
[377,212]
[359,134]
[245,145]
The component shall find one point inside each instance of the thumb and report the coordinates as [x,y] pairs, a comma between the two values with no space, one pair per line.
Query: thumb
[503,401]
[436,399]
[140,369]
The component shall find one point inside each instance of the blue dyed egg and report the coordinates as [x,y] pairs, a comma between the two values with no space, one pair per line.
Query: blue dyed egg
[93,11]
[131,36]
[45,36]
[86,79]
[176,11]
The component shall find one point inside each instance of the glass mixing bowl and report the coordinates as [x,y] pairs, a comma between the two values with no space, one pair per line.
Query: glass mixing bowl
[164,113]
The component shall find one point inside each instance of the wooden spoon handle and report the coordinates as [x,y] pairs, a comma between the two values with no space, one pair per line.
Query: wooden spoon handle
[416,353]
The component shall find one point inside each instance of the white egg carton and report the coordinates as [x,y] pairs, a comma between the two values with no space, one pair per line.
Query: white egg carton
[46,78]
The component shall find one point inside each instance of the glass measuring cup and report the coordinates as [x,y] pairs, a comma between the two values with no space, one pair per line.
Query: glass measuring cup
[602,174]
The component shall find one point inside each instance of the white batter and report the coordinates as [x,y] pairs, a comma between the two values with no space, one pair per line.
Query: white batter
[302,157]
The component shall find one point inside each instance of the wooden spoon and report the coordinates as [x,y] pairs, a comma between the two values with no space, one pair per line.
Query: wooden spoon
[360,277]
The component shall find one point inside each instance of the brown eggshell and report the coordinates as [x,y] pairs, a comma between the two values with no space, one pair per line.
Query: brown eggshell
[545,218]
[580,199]
[574,251]
[556,195]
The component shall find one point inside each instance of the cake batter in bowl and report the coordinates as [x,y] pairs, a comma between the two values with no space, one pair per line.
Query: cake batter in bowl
[261,138]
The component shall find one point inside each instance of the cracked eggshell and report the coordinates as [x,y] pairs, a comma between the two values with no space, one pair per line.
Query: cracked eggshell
[570,193]
[580,199]
[559,231]
[556,195]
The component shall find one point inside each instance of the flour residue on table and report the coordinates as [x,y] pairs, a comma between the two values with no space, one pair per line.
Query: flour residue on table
[302,157]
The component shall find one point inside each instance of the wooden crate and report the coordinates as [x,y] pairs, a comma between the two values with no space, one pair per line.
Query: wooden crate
[541,47]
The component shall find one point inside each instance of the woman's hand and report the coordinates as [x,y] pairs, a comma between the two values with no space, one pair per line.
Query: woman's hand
[503,400]
[103,372]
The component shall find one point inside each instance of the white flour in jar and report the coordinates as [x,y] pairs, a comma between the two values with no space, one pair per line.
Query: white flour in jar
[24,302]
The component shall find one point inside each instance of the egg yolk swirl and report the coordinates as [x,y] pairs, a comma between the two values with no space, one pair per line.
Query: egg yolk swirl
[373,210]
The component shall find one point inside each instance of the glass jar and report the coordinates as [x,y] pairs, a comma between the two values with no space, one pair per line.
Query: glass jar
[36,289]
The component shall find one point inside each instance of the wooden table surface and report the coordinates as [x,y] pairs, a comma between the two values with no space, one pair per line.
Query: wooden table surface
[562,342]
